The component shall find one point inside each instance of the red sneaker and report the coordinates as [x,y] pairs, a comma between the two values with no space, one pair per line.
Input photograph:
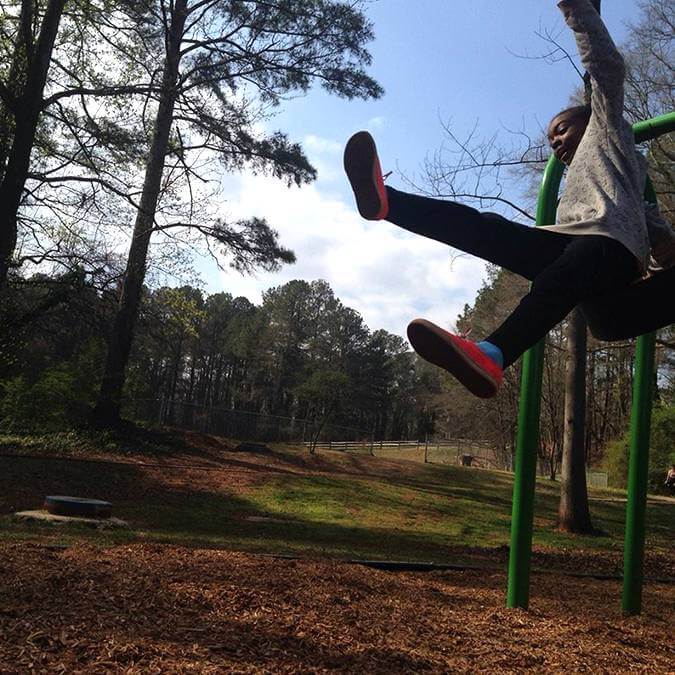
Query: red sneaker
[460,357]
[365,176]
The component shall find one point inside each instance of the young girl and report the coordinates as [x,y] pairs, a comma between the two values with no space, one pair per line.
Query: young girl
[595,254]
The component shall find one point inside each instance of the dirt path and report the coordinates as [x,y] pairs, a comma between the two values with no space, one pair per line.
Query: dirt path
[158,609]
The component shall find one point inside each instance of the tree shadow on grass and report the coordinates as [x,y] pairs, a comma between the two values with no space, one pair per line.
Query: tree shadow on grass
[193,514]
[427,524]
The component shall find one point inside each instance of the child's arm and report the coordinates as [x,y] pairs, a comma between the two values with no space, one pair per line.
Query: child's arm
[599,56]
[661,237]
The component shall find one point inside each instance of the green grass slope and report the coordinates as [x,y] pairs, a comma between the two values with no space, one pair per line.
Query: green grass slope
[198,490]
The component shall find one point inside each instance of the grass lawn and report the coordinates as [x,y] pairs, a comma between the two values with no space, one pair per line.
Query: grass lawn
[185,588]
[198,490]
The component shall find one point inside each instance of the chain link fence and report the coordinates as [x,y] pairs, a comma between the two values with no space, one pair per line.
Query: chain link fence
[261,427]
[238,424]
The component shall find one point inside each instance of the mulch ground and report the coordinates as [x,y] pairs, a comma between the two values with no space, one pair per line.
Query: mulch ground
[159,609]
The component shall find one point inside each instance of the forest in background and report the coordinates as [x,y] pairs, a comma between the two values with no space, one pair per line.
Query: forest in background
[303,354]
[111,116]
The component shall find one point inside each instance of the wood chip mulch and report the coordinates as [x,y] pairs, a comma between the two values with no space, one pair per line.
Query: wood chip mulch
[163,609]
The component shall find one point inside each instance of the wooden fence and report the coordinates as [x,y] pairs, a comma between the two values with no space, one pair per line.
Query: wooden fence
[445,451]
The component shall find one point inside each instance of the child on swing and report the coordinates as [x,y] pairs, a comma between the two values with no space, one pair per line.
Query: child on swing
[603,243]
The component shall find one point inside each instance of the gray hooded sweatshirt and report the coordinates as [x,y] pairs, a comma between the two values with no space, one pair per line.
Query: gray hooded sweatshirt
[606,179]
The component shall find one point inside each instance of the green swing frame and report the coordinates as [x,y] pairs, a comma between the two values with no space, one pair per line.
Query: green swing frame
[527,438]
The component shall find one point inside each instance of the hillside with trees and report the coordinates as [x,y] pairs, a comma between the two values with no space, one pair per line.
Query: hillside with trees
[114,123]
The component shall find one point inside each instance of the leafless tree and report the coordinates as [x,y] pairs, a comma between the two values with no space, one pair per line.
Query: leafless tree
[482,171]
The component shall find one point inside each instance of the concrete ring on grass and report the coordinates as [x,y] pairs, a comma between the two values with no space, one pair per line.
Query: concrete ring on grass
[77,506]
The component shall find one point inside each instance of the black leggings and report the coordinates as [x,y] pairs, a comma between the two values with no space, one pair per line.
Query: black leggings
[640,308]
[565,269]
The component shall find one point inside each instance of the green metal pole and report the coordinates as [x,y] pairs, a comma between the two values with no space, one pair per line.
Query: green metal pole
[638,468]
[527,439]
[522,515]
[656,126]
[638,465]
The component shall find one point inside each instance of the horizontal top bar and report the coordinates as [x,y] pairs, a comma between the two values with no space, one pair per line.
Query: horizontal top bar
[656,126]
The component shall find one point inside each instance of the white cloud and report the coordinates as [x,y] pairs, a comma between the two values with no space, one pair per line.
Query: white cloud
[326,156]
[316,144]
[388,275]
[376,123]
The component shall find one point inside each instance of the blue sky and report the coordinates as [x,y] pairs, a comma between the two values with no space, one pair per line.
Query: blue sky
[436,62]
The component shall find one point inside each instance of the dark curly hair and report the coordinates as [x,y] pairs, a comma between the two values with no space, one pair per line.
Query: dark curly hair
[577,110]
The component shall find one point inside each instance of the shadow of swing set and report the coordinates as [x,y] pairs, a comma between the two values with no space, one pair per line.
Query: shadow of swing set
[528,424]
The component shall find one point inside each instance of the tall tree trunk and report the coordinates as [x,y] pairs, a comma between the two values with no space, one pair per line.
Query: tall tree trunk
[573,512]
[189,397]
[173,387]
[26,107]
[107,410]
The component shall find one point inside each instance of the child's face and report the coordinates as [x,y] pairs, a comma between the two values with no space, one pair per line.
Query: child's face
[564,134]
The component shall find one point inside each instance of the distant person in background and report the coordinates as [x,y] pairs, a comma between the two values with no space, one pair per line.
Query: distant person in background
[670,478]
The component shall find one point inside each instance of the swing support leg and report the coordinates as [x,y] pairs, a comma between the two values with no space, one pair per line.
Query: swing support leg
[528,424]
[522,517]
[638,467]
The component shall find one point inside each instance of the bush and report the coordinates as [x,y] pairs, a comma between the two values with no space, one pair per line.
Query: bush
[661,452]
[52,402]
[616,462]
